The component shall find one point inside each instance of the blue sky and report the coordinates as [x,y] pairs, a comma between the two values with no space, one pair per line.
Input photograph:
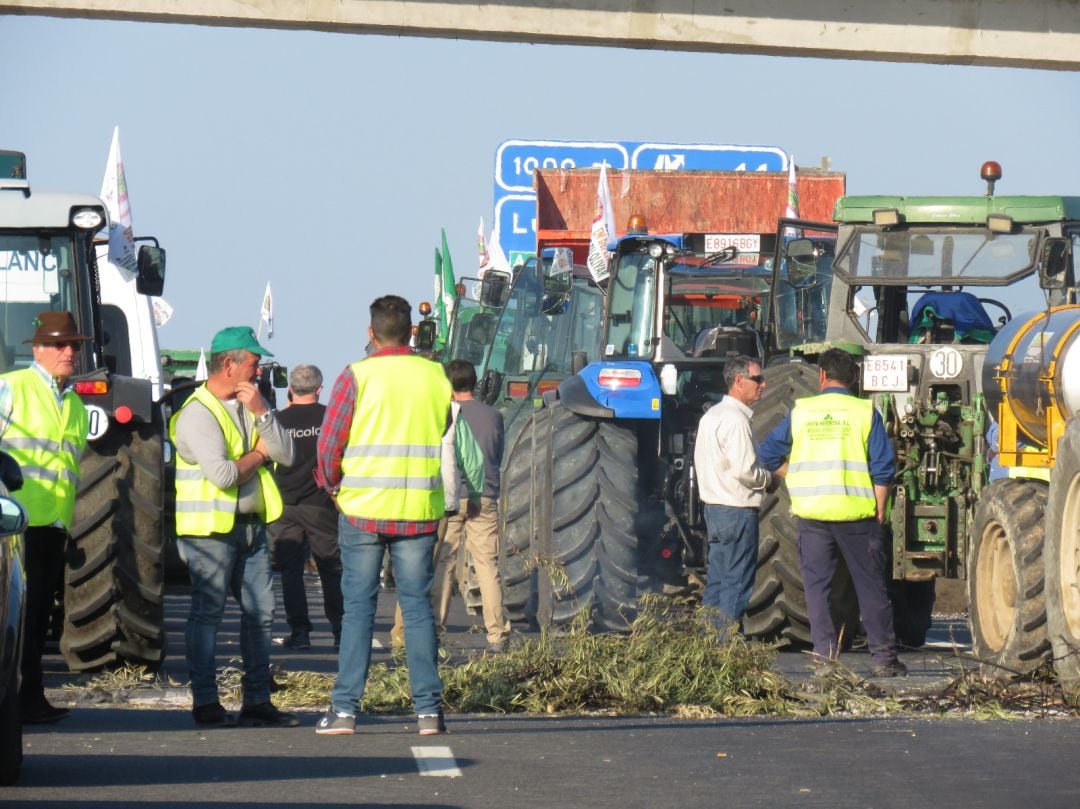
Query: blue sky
[327,163]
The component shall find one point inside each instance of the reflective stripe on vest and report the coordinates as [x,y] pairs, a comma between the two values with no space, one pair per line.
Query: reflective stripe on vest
[828,472]
[50,465]
[202,508]
[391,466]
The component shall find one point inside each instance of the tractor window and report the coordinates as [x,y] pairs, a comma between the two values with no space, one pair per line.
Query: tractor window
[941,313]
[961,255]
[696,304]
[630,308]
[117,340]
[37,273]
[802,306]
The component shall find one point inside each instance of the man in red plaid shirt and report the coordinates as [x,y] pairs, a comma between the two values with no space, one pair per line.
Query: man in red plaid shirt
[380,457]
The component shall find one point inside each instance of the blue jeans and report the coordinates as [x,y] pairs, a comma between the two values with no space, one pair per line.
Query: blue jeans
[733,550]
[361,560]
[237,563]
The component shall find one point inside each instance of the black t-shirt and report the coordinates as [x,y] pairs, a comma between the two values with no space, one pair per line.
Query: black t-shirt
[297,482]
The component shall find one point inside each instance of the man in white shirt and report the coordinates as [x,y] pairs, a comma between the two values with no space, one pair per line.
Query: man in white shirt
[732,484]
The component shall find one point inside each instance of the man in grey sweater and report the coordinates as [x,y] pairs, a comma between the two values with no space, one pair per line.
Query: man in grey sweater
[224,435]
[732,484]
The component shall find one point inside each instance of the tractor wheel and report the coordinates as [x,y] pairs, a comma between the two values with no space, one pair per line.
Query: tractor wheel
[114,590]
[517,562]
[571,504]
[1006,595]
[1062,558]
[777,608]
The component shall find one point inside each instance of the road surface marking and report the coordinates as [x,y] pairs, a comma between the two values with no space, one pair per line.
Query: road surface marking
[436,761]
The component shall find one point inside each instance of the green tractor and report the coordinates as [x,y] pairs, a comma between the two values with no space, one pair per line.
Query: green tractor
[919,288]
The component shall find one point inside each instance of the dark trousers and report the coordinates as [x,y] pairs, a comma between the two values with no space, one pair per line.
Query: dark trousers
[45,549]
[862,544]
[300,527]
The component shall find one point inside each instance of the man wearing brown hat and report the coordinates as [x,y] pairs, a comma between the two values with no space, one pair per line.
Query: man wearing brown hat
[43,426]
[224,434]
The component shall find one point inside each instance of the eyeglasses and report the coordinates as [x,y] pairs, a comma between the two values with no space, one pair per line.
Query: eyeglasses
[73,345]
[756,378]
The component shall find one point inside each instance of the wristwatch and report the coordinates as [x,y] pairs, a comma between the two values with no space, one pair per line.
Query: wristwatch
[265,417]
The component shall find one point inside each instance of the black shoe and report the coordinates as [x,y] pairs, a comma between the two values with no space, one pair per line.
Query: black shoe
[496,647]
[212,715]
[40,712]
[299,639]
[266,715]
[893,669]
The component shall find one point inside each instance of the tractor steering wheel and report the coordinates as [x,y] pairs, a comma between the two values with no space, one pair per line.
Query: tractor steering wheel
[999,305]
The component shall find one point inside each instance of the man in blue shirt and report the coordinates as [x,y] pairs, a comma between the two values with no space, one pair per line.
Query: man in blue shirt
[840,467]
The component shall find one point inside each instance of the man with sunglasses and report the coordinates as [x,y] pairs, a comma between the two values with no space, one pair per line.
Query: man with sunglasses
[43,425]
[732,484]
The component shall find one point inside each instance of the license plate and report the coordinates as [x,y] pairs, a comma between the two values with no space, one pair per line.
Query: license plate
[743,242]
[887,374]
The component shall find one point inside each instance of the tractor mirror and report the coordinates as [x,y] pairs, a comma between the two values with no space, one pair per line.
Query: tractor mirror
[425,335]
[494,289]
[150,270]
[801,260]
[481,328]
[559,273]
[1054,264]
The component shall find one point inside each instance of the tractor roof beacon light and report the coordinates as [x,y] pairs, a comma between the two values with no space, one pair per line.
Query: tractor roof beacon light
[635,226]
[424,308]
[991,172]
[886,217]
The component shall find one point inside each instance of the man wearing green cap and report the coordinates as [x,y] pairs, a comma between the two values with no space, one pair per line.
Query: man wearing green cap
[224,434]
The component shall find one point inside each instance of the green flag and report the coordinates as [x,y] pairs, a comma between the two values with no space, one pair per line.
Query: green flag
[445,293]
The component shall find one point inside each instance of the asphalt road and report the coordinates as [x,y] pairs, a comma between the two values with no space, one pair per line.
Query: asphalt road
[155,757]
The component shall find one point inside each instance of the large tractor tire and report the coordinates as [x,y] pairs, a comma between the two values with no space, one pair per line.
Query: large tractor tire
[777,610]
[571,502]
[1006,593]
[113,585]
[517,556]
[1062,558]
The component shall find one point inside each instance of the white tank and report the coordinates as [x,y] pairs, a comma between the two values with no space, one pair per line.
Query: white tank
[1041,376]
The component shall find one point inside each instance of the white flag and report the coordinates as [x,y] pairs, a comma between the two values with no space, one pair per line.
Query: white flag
[200,370]
[603,229]
[267,311]
[115,196]
[496,256]
[481,246]
[162,311]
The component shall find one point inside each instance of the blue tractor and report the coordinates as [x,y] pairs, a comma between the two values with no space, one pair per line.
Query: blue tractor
[600,500]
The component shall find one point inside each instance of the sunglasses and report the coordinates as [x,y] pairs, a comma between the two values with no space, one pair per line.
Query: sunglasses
[756,378]
[72,344]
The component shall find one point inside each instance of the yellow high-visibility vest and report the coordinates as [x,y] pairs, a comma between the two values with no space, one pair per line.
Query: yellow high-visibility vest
[47,439]
[202,508]
[391,467]
[828,471]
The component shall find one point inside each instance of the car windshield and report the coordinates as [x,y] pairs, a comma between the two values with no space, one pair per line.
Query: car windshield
[929,254]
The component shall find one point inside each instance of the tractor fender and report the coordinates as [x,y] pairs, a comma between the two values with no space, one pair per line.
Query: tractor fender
[575,396]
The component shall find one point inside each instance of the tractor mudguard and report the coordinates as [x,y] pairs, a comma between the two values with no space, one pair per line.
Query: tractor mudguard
[576,397]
